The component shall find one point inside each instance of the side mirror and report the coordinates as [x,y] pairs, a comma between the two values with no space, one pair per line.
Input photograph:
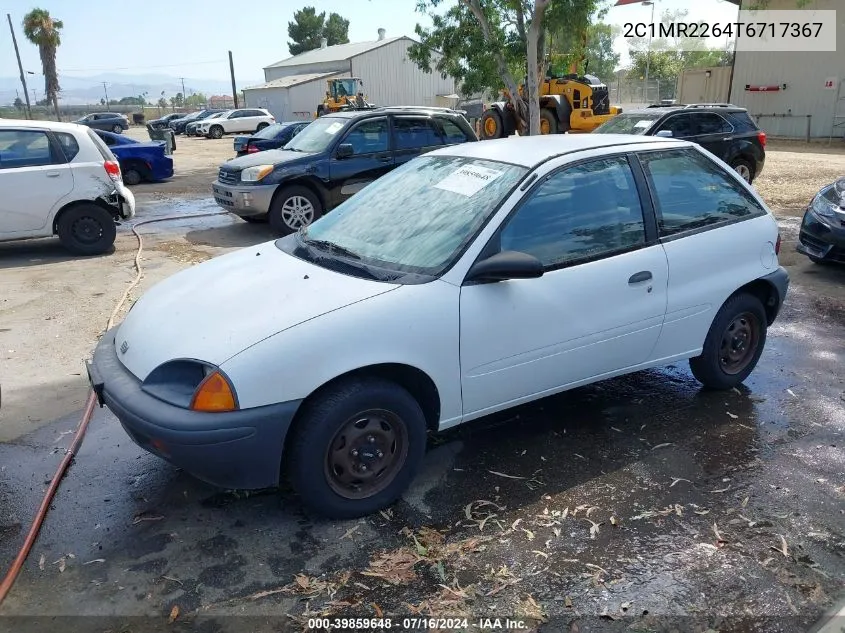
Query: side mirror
[664,133]
[506,265]
[345,150]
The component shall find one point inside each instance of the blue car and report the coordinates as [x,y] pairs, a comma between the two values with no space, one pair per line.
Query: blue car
[139,161]
[271,137]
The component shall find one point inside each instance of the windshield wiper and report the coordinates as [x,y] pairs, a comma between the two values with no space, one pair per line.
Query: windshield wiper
[331,247]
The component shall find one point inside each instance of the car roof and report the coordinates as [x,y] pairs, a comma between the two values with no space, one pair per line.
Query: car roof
[530,151]
[661,110]
[354,114]
[42,125]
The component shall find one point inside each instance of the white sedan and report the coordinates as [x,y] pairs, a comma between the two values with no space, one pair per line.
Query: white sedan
[472,279]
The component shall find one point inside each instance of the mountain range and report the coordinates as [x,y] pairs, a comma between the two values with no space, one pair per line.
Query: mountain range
[82,90]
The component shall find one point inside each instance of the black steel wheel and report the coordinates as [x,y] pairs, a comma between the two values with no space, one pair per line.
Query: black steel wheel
[86,229]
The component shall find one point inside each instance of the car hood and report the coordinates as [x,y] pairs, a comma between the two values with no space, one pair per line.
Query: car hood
[214,310]
[271,157]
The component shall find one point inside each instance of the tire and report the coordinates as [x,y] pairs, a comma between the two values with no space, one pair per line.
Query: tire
[215,132]
[818,260]
[491,125]
[741,318]
[332,420]
[288,206]
[132,176]
[117,129]
[86,229]
[255,219]
[321,110]
[744,168]
[261,126]
[551,120]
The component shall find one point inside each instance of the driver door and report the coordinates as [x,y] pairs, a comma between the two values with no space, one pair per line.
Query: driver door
[597,309]
[372,157]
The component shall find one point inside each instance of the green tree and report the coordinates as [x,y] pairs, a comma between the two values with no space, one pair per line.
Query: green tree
[162,103]
[196,99]
[18,104]
[41,29]
[484,43]
[309,28]
[139,100]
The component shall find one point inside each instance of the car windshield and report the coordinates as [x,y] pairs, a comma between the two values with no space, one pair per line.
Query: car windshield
[270,131]
[216,115]
[417,218]
[632,123]
[318,135]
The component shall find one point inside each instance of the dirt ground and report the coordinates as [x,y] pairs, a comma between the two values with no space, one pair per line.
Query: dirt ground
[620,506]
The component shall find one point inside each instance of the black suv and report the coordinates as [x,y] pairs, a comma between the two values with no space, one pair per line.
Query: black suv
[333,158]
[178,125]
[724,130]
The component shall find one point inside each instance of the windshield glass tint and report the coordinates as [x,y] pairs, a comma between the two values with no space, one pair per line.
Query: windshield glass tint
[628,124]
[318,135]
[270,131]
[419,216]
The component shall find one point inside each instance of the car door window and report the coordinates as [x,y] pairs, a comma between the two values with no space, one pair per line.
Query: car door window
[690,191]
[578,214]
[24,148]
[70,147]
[710,123]
[415,133]
[368,137]
[454,134]
[679,124]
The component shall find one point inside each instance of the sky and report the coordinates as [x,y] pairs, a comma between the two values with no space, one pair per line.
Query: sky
[191,39]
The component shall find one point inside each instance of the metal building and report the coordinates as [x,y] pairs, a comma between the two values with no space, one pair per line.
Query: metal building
[293,87]
[794,94]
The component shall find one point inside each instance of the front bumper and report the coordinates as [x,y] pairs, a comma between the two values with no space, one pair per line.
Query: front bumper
[238,449]
[822,238]
[244,200]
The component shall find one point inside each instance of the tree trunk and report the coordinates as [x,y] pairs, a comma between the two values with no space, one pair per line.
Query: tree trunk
[534,65]
[56,108]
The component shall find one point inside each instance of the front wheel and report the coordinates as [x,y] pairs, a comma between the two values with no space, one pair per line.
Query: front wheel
[491,125]
[86,229]
[294,208]
[356,447]
[117,129]
[733,345]
[216,132]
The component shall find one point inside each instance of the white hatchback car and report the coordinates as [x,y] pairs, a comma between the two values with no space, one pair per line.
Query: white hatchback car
[60,179]
[241,120]
[467,281]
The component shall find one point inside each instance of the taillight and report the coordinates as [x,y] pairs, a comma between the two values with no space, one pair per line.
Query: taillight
[251,149]
[777,245]
[112,169]
[761,136]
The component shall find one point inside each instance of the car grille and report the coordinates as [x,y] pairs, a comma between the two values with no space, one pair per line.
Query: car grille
[228,177]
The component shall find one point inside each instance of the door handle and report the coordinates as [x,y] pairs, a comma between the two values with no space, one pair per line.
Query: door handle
[53,174]
[383,159]
[728,138]
[640,277]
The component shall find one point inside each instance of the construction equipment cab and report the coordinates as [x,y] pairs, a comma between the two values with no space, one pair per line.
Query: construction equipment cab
[345,93]
[569,103]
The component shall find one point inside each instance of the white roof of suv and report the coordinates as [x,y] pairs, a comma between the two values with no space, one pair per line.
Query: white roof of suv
[528,151]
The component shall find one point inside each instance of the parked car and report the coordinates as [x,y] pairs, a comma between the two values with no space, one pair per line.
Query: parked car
[469,280]
[139,161]
[240,120]
[164,121]
[191,127]
[334,157]
[271,137]
[111,121]
[822,234]
[725,130]
[60,179]
[179,125]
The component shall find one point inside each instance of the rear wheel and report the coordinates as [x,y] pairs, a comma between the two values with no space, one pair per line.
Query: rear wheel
[216,131]
[293,208]
[356,447]
[491,125]
[86,229]
[261,126]
[132,176]
[548,122]
[744,168]
[733,344]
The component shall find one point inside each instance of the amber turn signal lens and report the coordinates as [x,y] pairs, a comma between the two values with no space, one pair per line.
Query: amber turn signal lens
[214,394]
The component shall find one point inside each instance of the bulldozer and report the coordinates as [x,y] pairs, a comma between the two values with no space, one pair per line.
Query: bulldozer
[345,93]
[568,103]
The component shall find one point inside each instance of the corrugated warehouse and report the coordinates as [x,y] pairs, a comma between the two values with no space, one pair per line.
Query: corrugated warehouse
[293,87]
[793,93]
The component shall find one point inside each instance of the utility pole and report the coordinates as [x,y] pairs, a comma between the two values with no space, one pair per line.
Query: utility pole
[232,72]
[106,92]
[20,67]
[34,97]
[184,94]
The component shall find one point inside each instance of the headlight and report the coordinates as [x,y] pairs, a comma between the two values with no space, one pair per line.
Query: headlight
[822,206]
[254,174]
[192,385]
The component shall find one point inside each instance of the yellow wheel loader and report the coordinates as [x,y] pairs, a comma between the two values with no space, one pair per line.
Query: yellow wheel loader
[346,93]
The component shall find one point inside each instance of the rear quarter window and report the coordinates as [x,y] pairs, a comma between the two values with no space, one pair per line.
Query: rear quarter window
[69,144]
[105,152]
[742,122]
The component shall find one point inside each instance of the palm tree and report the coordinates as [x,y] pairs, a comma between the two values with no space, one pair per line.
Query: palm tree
[43,31]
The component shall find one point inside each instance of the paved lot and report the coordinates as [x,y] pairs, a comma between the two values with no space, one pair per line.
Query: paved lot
[620,506]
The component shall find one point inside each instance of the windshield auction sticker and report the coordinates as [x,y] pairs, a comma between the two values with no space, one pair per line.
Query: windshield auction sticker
[468,180]
[334,128]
